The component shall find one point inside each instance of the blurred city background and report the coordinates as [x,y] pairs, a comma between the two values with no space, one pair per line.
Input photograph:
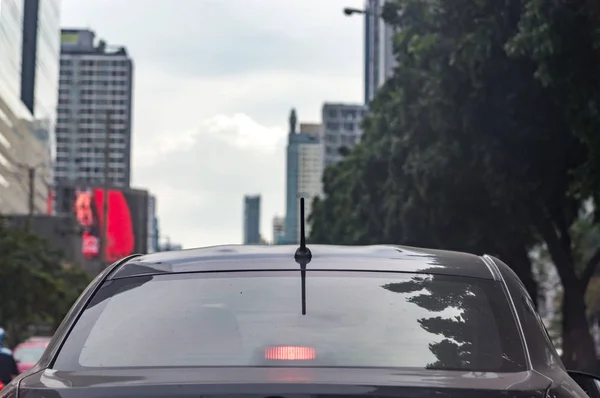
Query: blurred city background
[470,128]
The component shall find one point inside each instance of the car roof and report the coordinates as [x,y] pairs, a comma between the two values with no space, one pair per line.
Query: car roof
[380,258]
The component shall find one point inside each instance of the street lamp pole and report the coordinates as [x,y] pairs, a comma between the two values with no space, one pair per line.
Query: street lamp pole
[369,60]
[31,174]
[373,46]
[31,177]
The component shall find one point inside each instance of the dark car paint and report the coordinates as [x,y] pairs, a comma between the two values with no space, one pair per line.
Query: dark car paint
[536,339]
[544,377]
[588,382]
[186,382]
[325,257]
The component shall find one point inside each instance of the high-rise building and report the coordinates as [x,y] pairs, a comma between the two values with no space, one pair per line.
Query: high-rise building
[342,128]
[95,79]
[303,174]
[252,220]
[20,150]
[310,170]
[278,230]
[379,55]
[152,225]
[40,66]
[156,234]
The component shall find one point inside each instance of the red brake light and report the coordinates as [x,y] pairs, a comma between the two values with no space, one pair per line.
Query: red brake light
[290,353]
[1,385]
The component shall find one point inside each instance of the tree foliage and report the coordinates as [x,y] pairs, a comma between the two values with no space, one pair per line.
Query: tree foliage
[476,144]
[36,287]
[458,348]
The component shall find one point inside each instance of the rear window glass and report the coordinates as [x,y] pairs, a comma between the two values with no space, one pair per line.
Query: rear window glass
[256,319]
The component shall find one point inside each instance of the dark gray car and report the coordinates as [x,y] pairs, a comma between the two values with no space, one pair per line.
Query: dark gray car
[249,322]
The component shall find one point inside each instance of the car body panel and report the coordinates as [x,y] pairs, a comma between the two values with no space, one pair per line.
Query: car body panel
[382,258]
[542,352]
[543,379]
[264,382]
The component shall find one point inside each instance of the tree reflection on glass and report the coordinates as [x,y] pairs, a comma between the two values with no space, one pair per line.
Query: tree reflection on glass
[458,348]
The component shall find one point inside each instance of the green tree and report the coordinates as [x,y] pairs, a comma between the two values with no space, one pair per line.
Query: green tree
[411,177]
[562,38]
[466,149]
[35,285]
[459,347]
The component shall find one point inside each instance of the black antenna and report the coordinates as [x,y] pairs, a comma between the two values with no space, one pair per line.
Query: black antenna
[303,255]
[303,251]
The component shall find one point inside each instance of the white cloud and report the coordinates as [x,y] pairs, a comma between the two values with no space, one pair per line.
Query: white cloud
[244,133]
[211,168]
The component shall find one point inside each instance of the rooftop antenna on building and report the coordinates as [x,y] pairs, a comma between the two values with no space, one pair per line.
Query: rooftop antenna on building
[303,255]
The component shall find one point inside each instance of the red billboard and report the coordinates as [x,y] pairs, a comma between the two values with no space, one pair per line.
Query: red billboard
[50,202]
[89,209]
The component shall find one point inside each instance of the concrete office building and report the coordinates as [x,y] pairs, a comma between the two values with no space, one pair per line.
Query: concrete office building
[94,79]
[20,150]
[303,174]
[40,66]
[252,220]
[341,129]
[379,56]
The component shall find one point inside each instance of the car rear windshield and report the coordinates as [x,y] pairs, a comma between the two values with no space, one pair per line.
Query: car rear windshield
[240,319]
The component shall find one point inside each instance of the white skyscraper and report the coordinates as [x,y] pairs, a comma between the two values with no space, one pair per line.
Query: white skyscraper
[310,170]
[94,79]
[304,170]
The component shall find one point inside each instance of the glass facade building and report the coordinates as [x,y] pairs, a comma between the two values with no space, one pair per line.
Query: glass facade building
[40,68]
[20,150]
[252,220]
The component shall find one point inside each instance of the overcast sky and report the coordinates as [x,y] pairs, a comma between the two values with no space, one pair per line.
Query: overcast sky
[214,83]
